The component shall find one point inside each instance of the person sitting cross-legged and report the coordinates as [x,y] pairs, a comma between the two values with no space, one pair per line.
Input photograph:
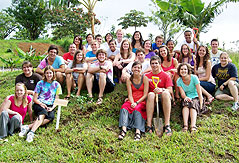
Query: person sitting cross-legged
[99,77]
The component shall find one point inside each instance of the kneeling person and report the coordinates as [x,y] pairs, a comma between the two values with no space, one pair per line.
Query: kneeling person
[100,76]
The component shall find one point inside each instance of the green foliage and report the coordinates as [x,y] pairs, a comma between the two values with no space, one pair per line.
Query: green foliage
[7,25]
[31,15]
[65,42]
[67,22]
[163,19]
[133,19]
[11,63]
[193,13]
[112,31]
[30,56]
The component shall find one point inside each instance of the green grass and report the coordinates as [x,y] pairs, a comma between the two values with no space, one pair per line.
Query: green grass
[88,133]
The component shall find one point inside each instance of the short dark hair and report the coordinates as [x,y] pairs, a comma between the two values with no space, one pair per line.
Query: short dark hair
[188,66]
[159,37]
[29,64]
[139,50]
[188,31]
[169,41]
[89,35]
[53,47]
[153,58]
[98,36]
[112,40]
[215,40]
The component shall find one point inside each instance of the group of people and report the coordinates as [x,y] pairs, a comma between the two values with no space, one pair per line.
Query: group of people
[188,72]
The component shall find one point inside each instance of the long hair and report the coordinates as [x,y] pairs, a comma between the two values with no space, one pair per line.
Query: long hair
[75,60]
[134,64]
[188,67]
[168,55]
[205,58]
[49,67]
[182,55]
[122,50]
[24,99]
[80,45]
[140,39]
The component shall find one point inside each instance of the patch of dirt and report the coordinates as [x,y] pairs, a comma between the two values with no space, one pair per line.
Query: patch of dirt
[41,48]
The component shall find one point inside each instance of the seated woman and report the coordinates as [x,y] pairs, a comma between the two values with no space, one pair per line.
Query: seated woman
[28,77]
[46,91]
[186,56]
[226,75]
[203,71]
[123,58]
[170,45]
[137,41]
[148,49]
[14,110]
[133,111]
[169,65]
[79,44]
[75,73]
[189,87]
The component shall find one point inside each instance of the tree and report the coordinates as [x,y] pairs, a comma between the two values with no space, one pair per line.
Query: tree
[69,22]
[90,5]
[7,25]
[31,15]
[133,19]
[194,13]
[163,19]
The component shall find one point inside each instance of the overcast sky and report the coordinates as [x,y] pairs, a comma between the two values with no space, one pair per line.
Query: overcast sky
[225,26]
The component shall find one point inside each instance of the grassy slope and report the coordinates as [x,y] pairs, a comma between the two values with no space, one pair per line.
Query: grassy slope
[88,133]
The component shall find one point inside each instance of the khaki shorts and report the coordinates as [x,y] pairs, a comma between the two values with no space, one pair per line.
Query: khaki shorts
[226,90]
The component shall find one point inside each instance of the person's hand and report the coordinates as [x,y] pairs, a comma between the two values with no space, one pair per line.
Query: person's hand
[49,109]
[120,66]
[133,105]
[43,105]
[158,90]
[126,99]
[187,99]
[195,40]
[221,87]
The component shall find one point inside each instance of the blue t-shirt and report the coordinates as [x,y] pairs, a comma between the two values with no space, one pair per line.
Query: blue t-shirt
[190,90]
[56,64]
[47,91]
[90,54]
[224,73]
[154,46]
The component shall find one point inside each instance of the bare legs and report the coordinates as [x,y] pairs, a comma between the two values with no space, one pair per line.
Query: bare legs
[102,83]
[193,115]
[234,93]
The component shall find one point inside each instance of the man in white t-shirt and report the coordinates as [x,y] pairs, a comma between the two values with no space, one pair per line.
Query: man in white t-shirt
[215,53]
[192,43]
[112,51]
[140,56]
[119,35]
[99,77]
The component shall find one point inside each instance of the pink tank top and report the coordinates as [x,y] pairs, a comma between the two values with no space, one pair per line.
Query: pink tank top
[168,68]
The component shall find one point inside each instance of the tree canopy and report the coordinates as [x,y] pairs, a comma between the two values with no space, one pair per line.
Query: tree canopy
[133,19]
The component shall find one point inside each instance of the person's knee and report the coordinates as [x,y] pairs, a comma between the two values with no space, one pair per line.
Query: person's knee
[165,95]
[151,96]
[102,75]
[231,84]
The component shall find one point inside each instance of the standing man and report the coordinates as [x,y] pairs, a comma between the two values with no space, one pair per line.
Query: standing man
[164,89]
[158,43]
[192,43]
[55,61]
[91,55]
[119,35]
[70,55]
[99,77]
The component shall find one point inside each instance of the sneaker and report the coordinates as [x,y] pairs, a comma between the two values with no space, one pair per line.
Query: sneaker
[235,106]
[30,137]
[24,130]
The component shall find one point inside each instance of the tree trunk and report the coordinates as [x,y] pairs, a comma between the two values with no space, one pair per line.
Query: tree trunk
[92,23]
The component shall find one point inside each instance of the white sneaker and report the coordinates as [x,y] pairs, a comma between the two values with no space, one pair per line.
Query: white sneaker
[24,130]
[30,137]
[235,106]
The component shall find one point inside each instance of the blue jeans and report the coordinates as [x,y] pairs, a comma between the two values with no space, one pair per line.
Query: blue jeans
[208,86]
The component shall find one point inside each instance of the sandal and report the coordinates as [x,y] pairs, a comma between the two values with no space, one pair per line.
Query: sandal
[137,136]
[67,98]
[149,129]
[193,129]
[185,128]
[210,100]
[99,101]
[168,130]
[122,134]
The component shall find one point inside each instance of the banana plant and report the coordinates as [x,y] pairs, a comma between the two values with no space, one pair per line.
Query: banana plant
[29,56]
[10,62]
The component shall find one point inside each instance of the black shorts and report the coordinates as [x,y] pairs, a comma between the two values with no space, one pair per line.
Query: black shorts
[109,87]
[38,110]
